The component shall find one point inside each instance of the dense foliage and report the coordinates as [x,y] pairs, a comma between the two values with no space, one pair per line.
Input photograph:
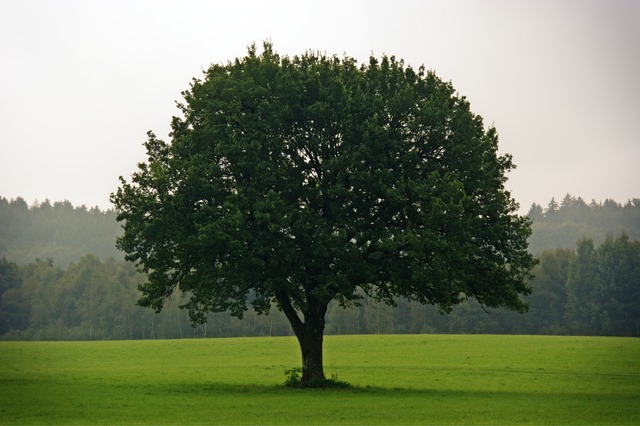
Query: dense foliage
[298,181]
[594,290]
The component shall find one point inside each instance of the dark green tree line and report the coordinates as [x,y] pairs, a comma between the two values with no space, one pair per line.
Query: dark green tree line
[96,300]
[604,287]
[593,290]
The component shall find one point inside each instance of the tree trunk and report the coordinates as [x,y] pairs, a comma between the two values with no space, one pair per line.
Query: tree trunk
[309,333]
[311,347]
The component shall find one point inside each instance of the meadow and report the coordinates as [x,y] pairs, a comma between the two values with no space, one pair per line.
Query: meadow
[397,379]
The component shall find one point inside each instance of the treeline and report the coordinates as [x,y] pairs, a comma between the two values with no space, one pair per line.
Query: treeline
[57,231]
[561,225]
[586,282]
[65,233]
[592,290]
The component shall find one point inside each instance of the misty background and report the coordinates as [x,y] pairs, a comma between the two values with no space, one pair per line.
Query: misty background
[81,82]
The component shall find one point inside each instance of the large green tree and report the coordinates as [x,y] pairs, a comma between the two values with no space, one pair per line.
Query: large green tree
[297,181]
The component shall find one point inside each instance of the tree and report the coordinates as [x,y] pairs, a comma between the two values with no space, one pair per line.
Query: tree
[552,208]
[619,261]
[297,181]
[10,282]
[603,288]
[535,212]
[548,302]
[38,283]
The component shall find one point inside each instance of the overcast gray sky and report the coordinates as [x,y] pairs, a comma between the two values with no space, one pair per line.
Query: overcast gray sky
[82,81]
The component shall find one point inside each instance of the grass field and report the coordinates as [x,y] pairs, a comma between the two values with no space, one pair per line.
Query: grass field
[398,379]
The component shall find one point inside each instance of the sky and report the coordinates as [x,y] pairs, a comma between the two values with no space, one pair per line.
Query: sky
[81,82]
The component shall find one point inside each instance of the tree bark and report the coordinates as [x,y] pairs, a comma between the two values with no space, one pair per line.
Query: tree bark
[309,333]
[311,347]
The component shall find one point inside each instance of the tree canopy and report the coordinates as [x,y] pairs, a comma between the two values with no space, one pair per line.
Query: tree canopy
[307,179]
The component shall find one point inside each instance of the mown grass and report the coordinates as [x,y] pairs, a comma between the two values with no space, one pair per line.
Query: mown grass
[408,379]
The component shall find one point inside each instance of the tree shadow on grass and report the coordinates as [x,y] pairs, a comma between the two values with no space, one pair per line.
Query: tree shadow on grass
[282,389]
[229,389]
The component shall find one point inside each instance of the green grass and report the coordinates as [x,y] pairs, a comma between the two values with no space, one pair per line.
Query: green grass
[410,379]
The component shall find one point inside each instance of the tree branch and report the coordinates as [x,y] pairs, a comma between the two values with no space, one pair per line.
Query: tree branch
[290,312]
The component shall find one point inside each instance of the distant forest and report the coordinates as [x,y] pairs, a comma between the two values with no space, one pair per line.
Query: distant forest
[57,231]
[562,225]
[61,278]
